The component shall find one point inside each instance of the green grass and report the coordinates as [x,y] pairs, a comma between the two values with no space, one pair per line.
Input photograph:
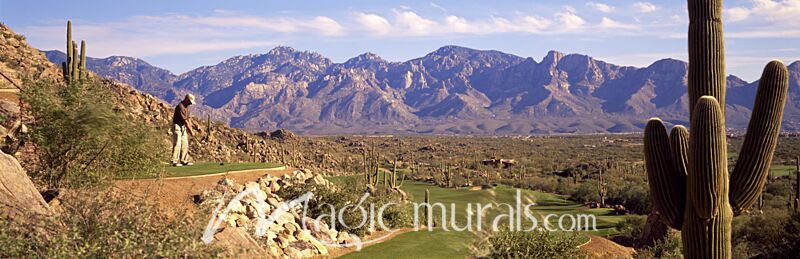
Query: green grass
[782,170]
[455,244]
[204,168]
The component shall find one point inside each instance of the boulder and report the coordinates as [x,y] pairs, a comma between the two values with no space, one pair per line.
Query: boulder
[236,239]
[19,198]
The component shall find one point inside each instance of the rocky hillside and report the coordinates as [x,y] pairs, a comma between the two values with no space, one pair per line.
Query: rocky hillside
[451,90]
[19,61]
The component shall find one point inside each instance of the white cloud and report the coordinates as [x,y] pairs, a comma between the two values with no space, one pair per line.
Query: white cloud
[414,24]
[374,23]
[327,26]
[737,14]
[645,7]
[782,10]
[458,24]
[766,19]
[569,21]
[608,23]
[601,7]
[174,34]
[434,5]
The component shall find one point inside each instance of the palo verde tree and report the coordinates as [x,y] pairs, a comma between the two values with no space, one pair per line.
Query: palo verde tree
[688,172]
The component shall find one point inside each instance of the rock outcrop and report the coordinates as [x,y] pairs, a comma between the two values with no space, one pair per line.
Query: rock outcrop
[19,198]
[291,235]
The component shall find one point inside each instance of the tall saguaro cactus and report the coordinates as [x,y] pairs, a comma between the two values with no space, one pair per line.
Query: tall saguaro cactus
[602,189]
[688,173]
[797,185]
[74,69]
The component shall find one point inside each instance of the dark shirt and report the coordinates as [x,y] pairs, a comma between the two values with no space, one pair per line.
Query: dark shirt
[181,115]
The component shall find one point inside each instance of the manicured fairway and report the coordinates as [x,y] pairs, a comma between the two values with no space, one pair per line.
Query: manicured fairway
[213,168]
[204,168]
[782,170]
[455,244]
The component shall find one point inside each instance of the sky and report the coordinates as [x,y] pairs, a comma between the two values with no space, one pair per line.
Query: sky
[180,35]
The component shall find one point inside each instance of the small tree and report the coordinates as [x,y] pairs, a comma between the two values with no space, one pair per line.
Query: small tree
[82,140]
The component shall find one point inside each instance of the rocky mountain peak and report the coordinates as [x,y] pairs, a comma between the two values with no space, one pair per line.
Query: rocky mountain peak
[552,58]
[367,59]
[450,90]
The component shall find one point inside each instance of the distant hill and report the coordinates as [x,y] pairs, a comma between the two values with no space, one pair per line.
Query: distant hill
[453,90]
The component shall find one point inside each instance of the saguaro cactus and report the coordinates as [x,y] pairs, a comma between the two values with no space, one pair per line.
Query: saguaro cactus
[74,68]
[688,173]
[602,189]
[393,182]
[797,185]
[370,169]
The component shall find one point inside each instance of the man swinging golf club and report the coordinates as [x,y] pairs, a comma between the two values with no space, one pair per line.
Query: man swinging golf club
[181,129]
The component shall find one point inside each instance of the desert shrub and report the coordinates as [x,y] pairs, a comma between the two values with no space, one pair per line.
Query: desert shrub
[670,247]
[775,234]
[585,191]
[82,140]
[632,226]
[350,193]
[105,226]
[636,199]
[778,188]
[533,244]
[545,184]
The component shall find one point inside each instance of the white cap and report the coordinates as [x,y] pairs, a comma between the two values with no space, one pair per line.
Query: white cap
[189,97]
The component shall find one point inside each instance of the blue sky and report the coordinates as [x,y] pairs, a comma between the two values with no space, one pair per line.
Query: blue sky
[182,35]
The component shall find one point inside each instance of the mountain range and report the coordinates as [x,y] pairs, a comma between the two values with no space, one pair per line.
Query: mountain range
[452,90]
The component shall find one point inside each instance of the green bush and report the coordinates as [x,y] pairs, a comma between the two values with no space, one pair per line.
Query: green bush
[105,226]
[533,244]
[82,140]
[586,191]
[632,226]
[636,199]
[775,234]
[670,247]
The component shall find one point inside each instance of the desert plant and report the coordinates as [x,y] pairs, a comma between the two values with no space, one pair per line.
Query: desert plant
[74,69]
[393,184]
[533,244]
[797,185]
[107,225]
[80,138]
[602,189]
[371,168]
[688,173]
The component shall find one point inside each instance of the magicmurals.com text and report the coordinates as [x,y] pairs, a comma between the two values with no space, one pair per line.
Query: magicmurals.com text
[514,217]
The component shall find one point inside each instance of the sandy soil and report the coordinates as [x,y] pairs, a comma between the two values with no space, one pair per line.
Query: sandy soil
[599,247]
[177,193]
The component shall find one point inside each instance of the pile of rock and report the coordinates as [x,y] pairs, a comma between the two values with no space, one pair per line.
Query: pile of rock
[287,236]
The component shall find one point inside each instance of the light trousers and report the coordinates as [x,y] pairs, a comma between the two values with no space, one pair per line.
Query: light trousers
[180,144]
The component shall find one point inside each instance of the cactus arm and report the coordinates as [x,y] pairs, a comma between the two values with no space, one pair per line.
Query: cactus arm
[70,58]
[708,162]
[752,168]
[663,177]
[75,62]
[679,142]
[82,66]
[706,52]
[706,231]
[64,70]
